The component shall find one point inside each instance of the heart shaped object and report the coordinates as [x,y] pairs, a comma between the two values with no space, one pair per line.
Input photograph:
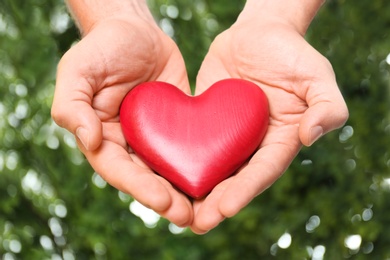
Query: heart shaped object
[195,142]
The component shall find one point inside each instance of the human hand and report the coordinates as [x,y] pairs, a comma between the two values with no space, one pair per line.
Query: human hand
[303,95]
[117,53]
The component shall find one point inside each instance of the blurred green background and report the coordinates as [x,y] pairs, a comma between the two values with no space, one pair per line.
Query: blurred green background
[332,203]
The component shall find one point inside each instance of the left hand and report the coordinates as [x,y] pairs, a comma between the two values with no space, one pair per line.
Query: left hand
[304,101]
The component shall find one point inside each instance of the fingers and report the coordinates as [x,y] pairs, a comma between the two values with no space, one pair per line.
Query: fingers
[281,145]
[327,111]
[180,210]
[115,165]
[206,211]
[71,106]
[279,148]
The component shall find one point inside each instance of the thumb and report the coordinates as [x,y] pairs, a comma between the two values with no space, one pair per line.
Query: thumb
[327,111]
[72,109]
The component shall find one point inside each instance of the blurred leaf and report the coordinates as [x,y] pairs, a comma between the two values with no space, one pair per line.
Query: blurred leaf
[52,207]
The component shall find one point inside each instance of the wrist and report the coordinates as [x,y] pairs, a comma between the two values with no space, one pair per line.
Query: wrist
[295,13]
[88,13]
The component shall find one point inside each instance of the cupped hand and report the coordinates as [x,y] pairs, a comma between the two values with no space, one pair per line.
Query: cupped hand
[93,77]
[304,102]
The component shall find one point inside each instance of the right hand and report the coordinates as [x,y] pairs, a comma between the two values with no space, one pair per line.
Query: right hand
[93,78]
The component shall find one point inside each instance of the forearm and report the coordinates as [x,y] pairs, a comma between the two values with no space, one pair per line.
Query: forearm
[87,13]
[298,13]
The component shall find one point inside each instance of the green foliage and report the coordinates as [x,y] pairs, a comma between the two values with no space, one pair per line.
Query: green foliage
[54,206]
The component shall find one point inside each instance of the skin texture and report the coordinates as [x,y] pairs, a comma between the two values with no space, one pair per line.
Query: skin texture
[267,49]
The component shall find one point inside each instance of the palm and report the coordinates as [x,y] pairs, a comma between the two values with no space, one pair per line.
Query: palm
[120,63]
[122,68]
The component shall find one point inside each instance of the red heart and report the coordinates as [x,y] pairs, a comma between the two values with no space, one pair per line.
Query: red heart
[195,142]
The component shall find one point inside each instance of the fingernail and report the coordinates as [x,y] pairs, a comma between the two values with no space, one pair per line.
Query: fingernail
[83,136]
[315,133]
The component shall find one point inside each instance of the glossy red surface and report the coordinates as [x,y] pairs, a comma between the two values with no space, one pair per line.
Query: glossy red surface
[195,142]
